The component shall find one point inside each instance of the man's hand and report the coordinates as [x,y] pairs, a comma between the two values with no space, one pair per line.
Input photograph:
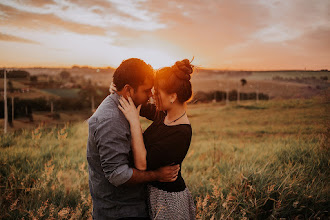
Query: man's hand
[163,174]
[168,173]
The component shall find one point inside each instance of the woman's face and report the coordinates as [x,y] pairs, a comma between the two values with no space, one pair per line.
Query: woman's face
[162,99]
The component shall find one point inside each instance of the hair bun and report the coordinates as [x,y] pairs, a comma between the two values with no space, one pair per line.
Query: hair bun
[183,69]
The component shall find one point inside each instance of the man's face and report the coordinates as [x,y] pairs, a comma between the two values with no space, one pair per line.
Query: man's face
[142,93]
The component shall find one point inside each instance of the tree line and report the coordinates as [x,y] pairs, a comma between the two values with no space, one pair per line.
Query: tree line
[233,95]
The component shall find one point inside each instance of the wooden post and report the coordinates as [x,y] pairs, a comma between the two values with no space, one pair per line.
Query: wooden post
[5,101]
[227,97]
[12,109]
[238,98]
[237,95]
[93,109]
[51,107]
[257,95]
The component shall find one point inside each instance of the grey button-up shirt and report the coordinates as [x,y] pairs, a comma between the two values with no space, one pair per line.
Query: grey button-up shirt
[109,159]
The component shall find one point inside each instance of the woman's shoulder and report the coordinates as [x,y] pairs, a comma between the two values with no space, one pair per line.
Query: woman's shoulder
[180,130]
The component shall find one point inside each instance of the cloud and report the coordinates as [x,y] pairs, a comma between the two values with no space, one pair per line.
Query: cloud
[246,33]
[231,33]
[100,14]
[46,22]
[205,29]
[315,41]
[7,37]
[276,33]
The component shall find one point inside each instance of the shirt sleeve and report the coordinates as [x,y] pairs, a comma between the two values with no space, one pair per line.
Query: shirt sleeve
[113,143]
[171,149]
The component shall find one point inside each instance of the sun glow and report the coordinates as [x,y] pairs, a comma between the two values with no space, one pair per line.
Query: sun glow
[156,58]
[67,49]
[157,53]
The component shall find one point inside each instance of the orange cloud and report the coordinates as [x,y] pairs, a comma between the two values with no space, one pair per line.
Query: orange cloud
[7,37]
[220,34]
[46,22]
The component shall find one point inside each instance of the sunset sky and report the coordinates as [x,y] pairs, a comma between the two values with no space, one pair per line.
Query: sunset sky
[222,34]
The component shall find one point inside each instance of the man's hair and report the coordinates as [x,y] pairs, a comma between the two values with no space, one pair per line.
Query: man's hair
[133,72]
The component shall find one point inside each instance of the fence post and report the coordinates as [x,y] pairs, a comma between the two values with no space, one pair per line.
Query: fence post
[257,95]
[51,107]
[238,92]
[5,101]
[93,104]
[12,109]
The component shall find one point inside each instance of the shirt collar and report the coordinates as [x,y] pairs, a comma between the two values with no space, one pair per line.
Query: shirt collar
[115,97]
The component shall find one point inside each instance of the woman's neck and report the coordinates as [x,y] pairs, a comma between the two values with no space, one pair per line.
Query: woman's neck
[175,112]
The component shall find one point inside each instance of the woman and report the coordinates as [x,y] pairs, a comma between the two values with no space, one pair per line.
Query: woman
[166,141]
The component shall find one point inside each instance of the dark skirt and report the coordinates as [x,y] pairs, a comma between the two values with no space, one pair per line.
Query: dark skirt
[170,205]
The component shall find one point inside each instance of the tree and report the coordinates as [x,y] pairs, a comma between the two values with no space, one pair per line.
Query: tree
[243,82]
[65,75]
[87,94]
[10,86]
[34,78]
[15,74]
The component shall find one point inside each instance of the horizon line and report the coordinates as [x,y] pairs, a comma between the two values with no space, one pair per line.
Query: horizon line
[198,68]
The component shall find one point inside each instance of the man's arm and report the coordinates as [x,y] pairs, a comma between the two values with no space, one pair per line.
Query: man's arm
[163,174]
[113,144]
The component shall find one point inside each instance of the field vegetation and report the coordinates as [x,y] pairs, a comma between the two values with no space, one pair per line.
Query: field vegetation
[248,161]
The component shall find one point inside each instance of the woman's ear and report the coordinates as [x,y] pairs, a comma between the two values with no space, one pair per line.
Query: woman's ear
[173,97]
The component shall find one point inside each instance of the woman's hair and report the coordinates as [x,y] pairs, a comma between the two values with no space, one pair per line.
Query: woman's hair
[176,79]
[133,72]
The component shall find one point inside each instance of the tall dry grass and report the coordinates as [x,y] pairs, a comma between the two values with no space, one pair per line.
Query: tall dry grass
[265,161]
[44,174]
[250,161]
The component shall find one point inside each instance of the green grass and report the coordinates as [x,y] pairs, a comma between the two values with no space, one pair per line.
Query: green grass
[248,161]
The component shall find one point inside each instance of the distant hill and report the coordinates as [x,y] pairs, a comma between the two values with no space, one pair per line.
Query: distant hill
[277,84]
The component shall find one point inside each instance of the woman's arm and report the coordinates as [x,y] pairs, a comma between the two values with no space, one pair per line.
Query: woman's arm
[138,148]
[132,114]
[148,111]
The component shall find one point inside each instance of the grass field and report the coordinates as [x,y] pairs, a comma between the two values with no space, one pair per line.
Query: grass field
[264,83]
[248,161]
[206,81]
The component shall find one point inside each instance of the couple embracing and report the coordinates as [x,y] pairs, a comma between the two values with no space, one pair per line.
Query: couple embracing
[135,175]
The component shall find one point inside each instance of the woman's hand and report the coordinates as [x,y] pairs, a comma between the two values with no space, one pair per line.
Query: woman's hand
[129,110]
[112,88]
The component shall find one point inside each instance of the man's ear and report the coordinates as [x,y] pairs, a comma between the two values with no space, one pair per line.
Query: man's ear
[128,90]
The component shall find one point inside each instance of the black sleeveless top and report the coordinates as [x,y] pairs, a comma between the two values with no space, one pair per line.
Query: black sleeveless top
[165,145]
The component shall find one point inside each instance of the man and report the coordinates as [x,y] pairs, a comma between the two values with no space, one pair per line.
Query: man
[117,188]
